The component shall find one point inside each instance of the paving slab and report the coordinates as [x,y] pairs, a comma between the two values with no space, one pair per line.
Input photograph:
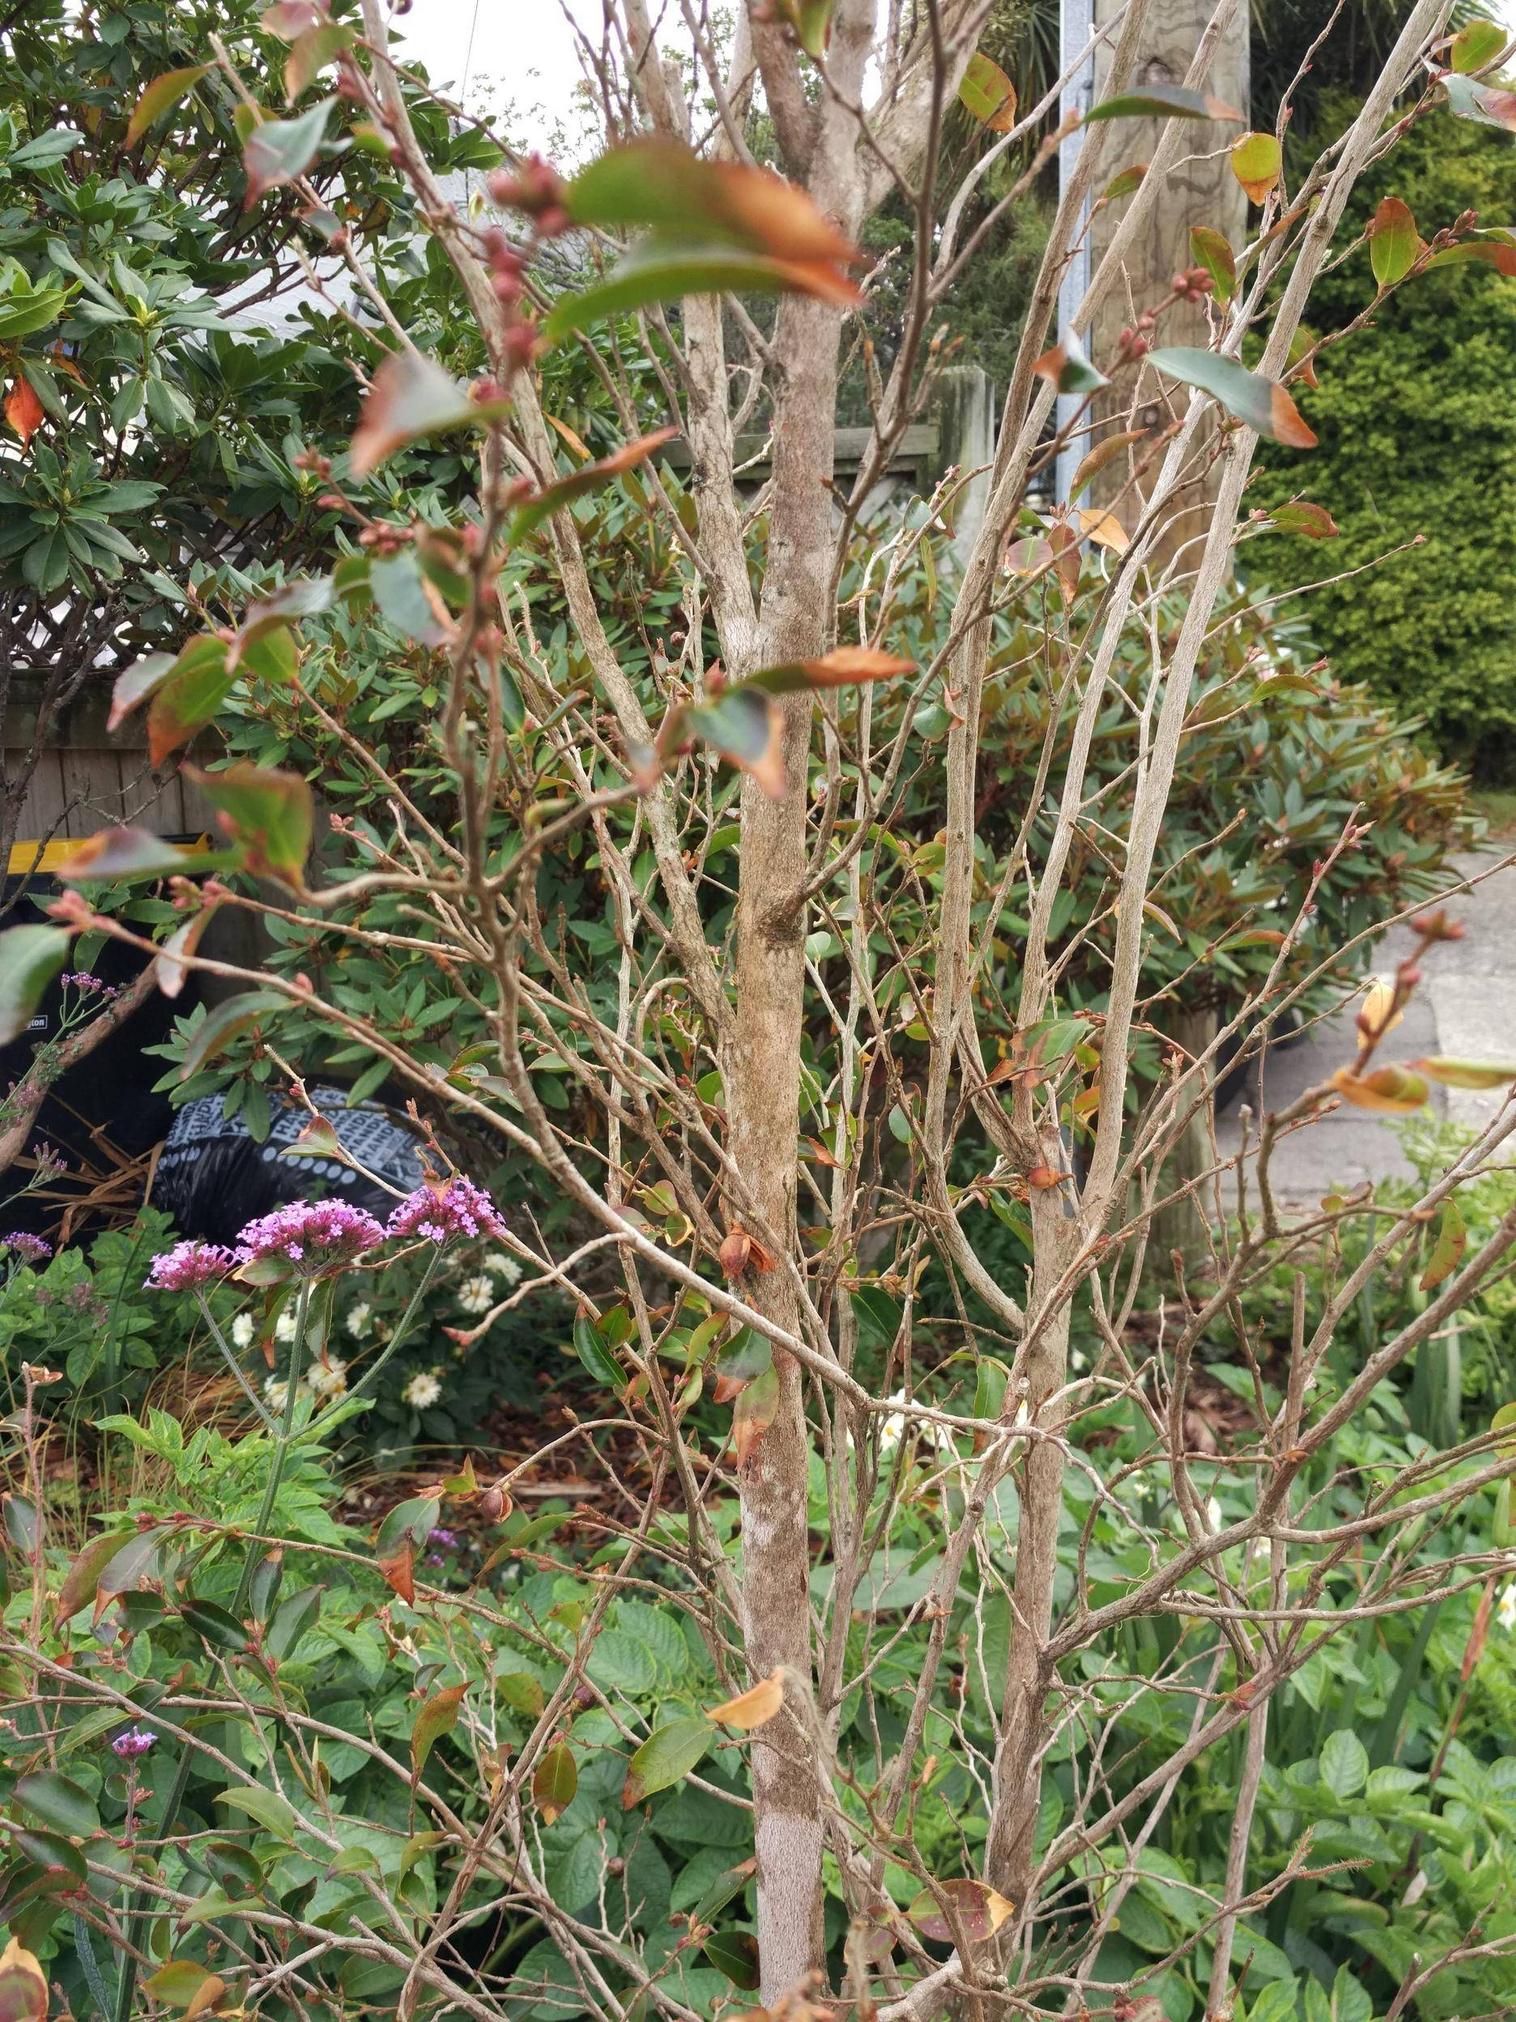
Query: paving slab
[1465,1007]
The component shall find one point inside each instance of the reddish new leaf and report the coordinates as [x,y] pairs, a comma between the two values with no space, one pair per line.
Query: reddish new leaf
[23,410]
[1257,164]
[531,512]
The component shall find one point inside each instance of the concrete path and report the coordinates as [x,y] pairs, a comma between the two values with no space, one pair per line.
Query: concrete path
[1466,1007]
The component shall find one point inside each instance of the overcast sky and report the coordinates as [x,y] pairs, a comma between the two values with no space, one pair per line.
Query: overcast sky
[518,53]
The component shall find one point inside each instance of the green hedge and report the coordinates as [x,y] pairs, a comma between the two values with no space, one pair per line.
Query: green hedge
[1417,419]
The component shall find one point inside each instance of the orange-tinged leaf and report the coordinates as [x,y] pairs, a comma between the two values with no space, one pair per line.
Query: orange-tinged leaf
[1104,529]
[532,511]
[411,396]
[974,1908]
[988,94]
[1378,1013]
[23,1985]
[1393,1090]
[555,1783]
[1257,164]
[1105,451]
[1066,367]
[1314,522]
[751,1708]
[437,1717]
[669,1754]
[1393,242]
[1465,1073]
[756,1408]
[1212,250]
[843,667]
[1043,1177]
[1259,402]
[661,185]
[1479,1632]
[1447,1251]
[399,1570]
[161,96]
[23,410]
[1126,183]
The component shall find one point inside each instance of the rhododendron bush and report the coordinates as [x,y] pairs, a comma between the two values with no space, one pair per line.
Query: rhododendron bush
[934,1591]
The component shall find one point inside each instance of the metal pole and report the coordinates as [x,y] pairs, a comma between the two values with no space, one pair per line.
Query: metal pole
[1076,25]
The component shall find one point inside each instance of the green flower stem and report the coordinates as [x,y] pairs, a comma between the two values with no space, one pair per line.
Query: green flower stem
[283,1435]
[232,1363]
[397,1339]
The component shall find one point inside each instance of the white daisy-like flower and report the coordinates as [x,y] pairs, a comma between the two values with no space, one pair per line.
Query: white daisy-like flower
[284,1326]
[1506,1608]
[422,1391]
[476,1294]
[359,1319]
[242,1331]
[501,1264]
[329,1378]
[276,1391]
[895,1426]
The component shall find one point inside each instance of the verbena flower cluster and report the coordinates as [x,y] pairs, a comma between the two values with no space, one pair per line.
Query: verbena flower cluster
[188,1265]
[29,1248]
[88,985]
[136,1741]
[458,1209]
[317,1236]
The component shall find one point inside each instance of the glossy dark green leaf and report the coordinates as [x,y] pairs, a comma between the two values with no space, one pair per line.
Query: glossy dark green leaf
[218,1628]
[223,1024]
[30,957]
[279,150]
[668,1755]
[595,1355]
[734,1953]
[1261,404]
[58,1802]
[294,1615]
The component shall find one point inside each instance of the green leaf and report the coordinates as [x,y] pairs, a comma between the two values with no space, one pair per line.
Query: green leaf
[61,1862]
[30,957]
[669,1754]
[1313,522]
[521,1692]
[1066,366]
[1447,1252]
[272,1811]
[1344,1763]
[400,590]
[185,1983]
[1485,104]
[1257,164]
[58,1802]
[596,1356]
[1476,46]
[742,723]
[129,854]
[161,96]
[657,272]
[1163,101]
[26,310]
[83,1576]
[555,1782]
[1211,250]
[739,1362]
[437,1717]
[1393,242]
[722,1891]
[218,1628]
[1262,404]
[239,1872]
[224,1023]
[270,817]
[988,94]
[409,397]
[279,150]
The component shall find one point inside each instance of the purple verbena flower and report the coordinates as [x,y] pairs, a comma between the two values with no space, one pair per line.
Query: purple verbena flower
[188,1265]
[88,985]
[439,1534]
[136,1741]
[29,1248]
[314,1236]
[438,1214]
